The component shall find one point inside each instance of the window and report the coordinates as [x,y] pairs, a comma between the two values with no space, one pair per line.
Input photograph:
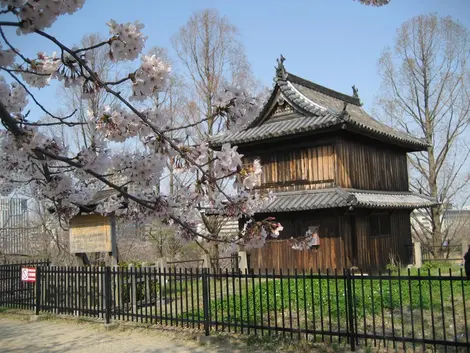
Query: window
[379,225]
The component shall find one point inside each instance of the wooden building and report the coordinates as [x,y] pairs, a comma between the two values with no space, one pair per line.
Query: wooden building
[334,167]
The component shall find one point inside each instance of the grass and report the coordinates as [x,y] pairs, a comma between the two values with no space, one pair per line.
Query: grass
[419,307]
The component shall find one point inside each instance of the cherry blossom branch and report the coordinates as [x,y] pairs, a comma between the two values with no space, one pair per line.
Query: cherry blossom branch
[200,121]
[28,72]
[125,193]
[161,135]
[36,101]
[68,123]
[113,83]
[25,59]
[41,153]
[80,70]
[94,46]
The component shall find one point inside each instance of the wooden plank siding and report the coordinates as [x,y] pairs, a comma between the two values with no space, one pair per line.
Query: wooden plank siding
[370,166]
[300,169]
[374,252]
[278,253]
[345,241]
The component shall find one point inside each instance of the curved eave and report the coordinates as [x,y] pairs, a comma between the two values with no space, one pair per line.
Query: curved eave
[249,136]
[409,145]
[298,201]
[315,118]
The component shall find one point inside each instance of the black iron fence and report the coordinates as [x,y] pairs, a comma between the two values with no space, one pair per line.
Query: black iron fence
[12,289]
[411,310]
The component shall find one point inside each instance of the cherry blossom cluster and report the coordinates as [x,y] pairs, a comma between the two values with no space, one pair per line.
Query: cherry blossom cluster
[38,15]
[96,158]
[117,124]
[306,242]
[228,161]
[150,78]
[142,169]
[246,203]
[7,57]
[238,106]
[13,96]
[250,178]
[17,162]
[40,71]
[256,233]
[110,205]
[128,40]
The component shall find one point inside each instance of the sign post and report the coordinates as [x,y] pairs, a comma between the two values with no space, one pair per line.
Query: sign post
[91,233]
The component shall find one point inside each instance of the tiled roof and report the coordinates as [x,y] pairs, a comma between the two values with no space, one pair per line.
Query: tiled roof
[338,197]
[395,199]
[309,200]
[278,129]
[316,107]
[102,196]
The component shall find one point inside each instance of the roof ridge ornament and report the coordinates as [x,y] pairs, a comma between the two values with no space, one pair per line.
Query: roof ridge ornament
[356,94]
[281,73]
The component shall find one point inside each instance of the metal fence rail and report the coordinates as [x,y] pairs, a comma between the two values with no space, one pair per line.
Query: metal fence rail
[413,310]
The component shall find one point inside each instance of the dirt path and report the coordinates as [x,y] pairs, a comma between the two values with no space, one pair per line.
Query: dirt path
[68,337]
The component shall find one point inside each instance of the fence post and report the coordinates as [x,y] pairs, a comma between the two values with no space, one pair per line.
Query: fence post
[107,295]
[101,291]
[38,290]
[350,310]
[243,261]
[133,284]
[418,260]
[206,261]
[161,264]
[117,295]
[464,247]
[205,299]
[88,291]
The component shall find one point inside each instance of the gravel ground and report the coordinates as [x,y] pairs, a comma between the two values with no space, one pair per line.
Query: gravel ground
[70,337]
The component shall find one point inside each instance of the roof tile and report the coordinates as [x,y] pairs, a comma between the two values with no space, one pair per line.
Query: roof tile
[336,197]
[316,107]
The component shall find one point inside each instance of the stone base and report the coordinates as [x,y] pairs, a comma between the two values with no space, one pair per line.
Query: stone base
[207,340]
[111,326]
[35,318]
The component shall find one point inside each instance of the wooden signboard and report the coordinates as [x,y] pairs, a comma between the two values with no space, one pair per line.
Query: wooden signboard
[90,233]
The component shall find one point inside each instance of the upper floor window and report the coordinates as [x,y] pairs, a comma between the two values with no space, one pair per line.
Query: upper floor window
[379,224]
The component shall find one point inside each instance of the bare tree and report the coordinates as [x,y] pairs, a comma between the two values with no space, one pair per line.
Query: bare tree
[209,48]
[426,80]
[100,63]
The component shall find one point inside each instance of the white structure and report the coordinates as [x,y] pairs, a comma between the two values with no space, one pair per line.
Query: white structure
[455,224]
[14,226]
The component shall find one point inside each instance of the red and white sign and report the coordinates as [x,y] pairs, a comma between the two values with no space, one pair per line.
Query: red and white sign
[28,274]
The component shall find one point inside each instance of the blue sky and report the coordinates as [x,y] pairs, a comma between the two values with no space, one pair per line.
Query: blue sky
[335,43]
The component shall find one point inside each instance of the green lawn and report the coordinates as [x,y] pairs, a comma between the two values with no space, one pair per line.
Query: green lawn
[408,306]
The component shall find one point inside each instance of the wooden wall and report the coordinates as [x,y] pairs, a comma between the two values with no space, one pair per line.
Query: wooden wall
[300,169]
[370,166]
[345,241]
[373,253]
[345,162]
[278,253]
